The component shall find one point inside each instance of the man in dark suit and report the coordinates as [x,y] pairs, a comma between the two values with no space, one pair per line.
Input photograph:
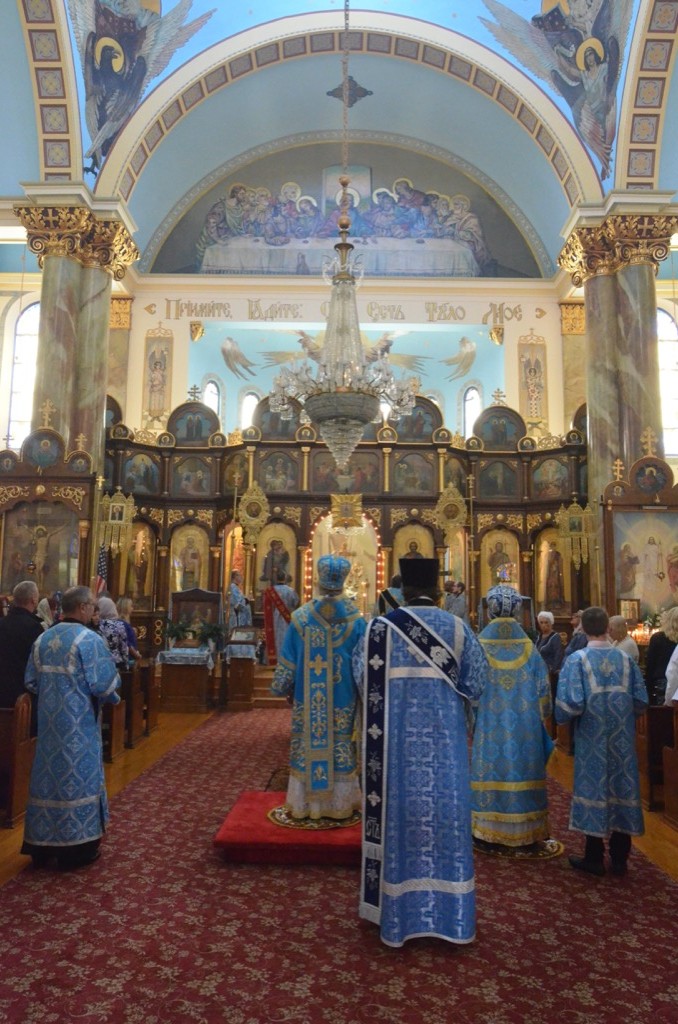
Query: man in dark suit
[19,630]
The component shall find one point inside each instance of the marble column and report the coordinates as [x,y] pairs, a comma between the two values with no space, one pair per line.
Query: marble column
[80,252]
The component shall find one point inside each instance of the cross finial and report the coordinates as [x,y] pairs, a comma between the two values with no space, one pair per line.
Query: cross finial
[81,441]
[7,438]
[194,393]
[46,410]
[100,481]
[499,397]
[618,469]
[648,441]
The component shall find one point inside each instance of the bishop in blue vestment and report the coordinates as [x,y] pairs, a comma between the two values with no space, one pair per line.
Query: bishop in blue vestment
[420,670]
[314,672]
[510,742]
[602,690]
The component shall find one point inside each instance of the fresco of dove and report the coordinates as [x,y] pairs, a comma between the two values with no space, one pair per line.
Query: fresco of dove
[464,359]
[236,360]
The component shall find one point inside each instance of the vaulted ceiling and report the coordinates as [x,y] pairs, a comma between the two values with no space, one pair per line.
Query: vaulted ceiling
[454,82]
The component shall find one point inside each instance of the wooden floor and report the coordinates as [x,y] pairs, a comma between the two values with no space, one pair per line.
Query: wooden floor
[659,844]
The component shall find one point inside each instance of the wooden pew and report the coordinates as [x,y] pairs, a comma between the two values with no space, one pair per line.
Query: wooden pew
[654,731]
[150,686]
[133,696]
[17,750]
[113,730]
[671,775]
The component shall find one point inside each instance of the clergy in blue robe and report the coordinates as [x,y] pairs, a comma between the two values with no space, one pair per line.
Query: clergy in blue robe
[72,672]
[279,603]
[602,690]
[420,670]
[510,742]
[314,673]
[239,614]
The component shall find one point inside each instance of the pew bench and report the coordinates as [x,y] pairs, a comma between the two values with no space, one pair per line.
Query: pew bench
[132,694]
[654,731]
[670,753]
[113,730]
[17,750]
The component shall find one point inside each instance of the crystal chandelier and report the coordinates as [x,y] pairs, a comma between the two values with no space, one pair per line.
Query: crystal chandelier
[351,382]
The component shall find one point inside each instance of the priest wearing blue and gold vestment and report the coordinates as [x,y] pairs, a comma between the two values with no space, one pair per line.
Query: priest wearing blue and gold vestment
[421,669]
[510,742]
[314,673]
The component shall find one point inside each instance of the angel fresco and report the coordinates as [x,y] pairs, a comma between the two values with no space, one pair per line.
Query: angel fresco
[123,46]
[577,48]
[312,349]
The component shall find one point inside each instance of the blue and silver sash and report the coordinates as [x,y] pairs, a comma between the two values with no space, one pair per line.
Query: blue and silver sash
[435,654]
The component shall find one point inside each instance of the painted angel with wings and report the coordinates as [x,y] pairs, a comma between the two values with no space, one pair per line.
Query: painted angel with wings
[123,46]
[380,349]
[575,46]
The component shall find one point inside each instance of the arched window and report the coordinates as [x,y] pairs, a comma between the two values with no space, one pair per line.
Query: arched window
[23,375]
[472,409]
[250,400]
[211,396]
[667,335]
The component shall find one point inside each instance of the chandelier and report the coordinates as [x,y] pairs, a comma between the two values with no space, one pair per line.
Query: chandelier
[351,383]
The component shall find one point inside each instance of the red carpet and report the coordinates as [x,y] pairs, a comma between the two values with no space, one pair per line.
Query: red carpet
[162,930]
[248,837]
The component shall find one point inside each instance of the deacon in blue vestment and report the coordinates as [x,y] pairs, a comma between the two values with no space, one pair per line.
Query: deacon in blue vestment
[239,614]
[314,673]
[602,690]
[420,670]
[510,742]
[72,672]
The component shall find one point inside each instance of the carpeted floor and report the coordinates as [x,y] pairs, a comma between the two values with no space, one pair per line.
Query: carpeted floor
[162,931]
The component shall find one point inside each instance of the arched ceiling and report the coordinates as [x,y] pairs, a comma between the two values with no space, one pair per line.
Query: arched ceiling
[253,79]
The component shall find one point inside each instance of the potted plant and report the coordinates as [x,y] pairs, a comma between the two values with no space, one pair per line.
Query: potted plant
[175,631]
[210,634]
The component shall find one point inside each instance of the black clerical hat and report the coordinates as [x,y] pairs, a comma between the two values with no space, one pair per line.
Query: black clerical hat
[420,572]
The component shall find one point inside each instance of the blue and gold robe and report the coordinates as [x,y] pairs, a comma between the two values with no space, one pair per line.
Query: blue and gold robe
[602,690]
[417,871]
[314,668]
[510,743]
[71,670]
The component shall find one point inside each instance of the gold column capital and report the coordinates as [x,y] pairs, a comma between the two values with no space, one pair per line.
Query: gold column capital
[75,231]
[619,240]
[572,318]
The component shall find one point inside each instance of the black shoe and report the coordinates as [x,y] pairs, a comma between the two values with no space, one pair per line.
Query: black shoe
[73,863]
[581,864]
[618,867]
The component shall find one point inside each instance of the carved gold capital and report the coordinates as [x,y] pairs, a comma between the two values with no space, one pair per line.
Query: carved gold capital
[74,231]
[641,238]
[572,318]
[587,253]
[120,314]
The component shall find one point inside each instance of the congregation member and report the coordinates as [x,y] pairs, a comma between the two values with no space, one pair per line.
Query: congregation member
[19,630]
[448,595]
[659,650]
[550,647]
[314,673]
[578,640]
[125,608]
[71,671]
[671,689]
[602,690]
[420,670]
[113,631]
[47,610]
[239,616]
[280,600]
[391,597]
[510,744]
[621,638]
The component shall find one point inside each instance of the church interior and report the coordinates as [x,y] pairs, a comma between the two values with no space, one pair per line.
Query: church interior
[172,195]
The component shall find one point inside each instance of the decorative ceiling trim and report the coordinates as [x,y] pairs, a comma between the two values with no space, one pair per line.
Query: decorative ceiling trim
[646,98]
[123,178]
[48,50]
[231,167]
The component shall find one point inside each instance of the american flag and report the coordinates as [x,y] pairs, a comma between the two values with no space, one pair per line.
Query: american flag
[102,571]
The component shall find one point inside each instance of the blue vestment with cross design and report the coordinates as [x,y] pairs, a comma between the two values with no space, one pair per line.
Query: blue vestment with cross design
[314,668]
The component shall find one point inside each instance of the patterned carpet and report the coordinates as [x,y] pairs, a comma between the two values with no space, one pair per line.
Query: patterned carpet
[161,931]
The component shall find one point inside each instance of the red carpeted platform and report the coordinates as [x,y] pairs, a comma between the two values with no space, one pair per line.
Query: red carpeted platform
[248,837]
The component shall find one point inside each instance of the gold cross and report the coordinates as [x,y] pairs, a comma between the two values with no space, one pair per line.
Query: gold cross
[81,441]
[618,469]
[46,409]
[648,440]
[499,397]
[318,665]
[194,392]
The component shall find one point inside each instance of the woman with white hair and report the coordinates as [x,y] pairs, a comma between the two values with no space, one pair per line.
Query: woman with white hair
[113,631]
[550,646]
[659,656]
